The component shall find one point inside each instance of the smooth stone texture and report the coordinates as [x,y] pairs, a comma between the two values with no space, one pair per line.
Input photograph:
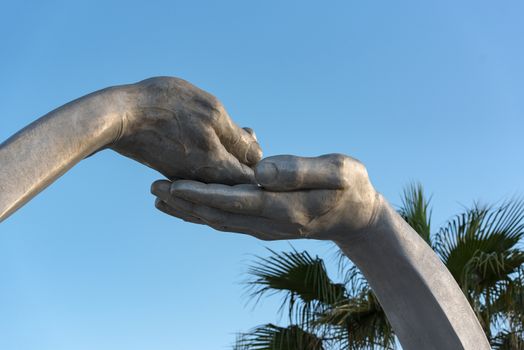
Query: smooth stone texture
[331,198]
[165,123]
[185,133]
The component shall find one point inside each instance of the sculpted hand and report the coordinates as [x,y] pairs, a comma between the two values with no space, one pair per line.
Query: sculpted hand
[184,132]
[319,198]
[331,197]
[165,123]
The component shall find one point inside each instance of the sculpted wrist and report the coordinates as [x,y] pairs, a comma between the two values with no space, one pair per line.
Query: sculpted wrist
[122,104]
[356,221]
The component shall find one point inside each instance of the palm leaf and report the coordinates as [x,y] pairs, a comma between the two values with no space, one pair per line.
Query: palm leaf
[272,337]
[361,323]
[508,341]
[415,210]
[479,245]
[489,269]
[300,277]
[508,305]
[480,249]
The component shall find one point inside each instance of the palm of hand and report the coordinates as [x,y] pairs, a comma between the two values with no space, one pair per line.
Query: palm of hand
[299,198]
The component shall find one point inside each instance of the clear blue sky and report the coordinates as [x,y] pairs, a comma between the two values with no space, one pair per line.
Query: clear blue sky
[417,90]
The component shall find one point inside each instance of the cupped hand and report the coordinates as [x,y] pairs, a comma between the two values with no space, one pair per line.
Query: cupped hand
[185,133]
[321,198]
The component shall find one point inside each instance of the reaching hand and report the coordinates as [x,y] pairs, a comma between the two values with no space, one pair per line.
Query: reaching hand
[185,133]
[319,198]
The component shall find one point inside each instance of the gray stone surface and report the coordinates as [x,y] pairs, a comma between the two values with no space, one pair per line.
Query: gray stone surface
[331,198]
[185,133]
[165,123]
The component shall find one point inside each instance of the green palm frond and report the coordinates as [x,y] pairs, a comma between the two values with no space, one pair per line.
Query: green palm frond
[361,323]
[300,277]
[488,269]
[480,249]
[508,341]
[479,246]
[272,337]
[353,278]
[415,210]
[508,305]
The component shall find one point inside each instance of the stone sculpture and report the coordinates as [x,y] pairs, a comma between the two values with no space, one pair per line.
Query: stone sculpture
[165,123]
[185,134]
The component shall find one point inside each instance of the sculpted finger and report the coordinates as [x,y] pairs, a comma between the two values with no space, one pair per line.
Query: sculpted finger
[167,209]
[220,220]
[257,227]
[214,163]
[251,132]
[239,142]
[161,189]
[241,199]
[288,173]
[250,200]
[233,172]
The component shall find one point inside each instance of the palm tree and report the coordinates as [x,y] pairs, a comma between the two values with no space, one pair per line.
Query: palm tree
[480,247]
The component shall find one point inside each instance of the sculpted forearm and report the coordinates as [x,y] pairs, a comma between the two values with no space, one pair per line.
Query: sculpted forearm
[331,198]
[40,153]
[423,302]
[165,123]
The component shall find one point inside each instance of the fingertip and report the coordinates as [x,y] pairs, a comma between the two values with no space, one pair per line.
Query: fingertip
[251,132]
[266,173]
[240,142]
[288,173]
[160,186]
[254,153]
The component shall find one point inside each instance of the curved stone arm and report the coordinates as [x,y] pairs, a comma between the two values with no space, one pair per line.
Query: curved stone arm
[331,198]
[40,153]
[165,123]
[424,304]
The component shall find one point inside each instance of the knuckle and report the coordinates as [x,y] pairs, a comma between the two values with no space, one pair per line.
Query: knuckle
[338,159]
[341,166]
[359,167]
[214,103]
[347,167]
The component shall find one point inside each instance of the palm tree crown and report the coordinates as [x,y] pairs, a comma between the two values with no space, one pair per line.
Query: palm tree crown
[480,247]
